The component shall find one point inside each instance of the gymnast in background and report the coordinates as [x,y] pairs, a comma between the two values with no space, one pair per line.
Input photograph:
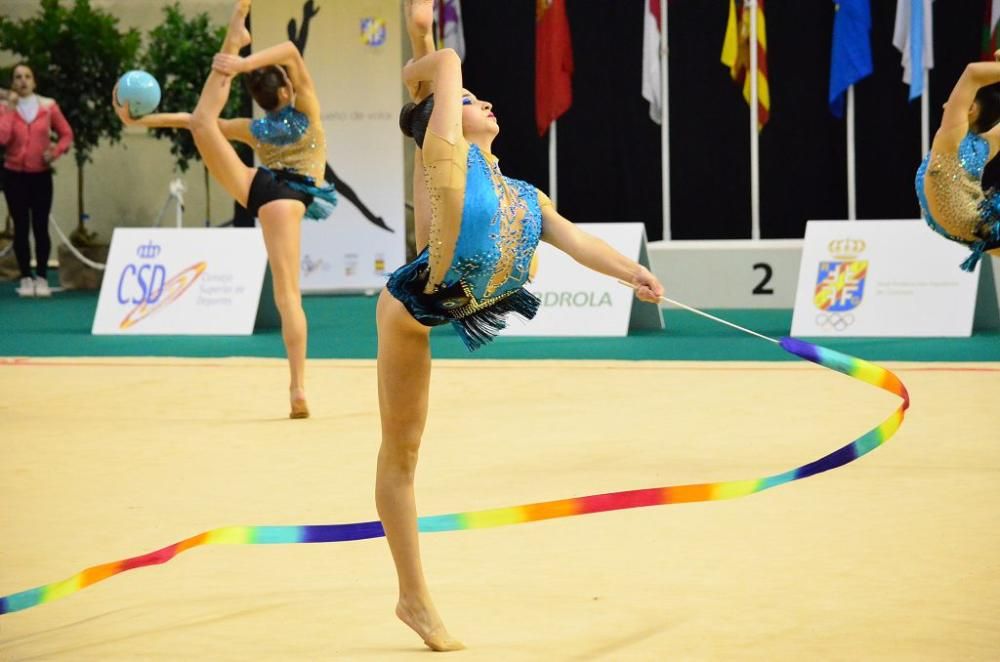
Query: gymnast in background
[290,143]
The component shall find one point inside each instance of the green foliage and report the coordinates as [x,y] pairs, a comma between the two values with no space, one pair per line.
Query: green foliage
[77,54]
[179,55]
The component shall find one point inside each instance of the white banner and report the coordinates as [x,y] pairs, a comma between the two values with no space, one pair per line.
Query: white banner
[729,273]
[192,281]
[577,301]
[882,278]
[354,53]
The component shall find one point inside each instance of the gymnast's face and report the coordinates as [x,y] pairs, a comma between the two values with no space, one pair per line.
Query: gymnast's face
[23,81]
[478,117]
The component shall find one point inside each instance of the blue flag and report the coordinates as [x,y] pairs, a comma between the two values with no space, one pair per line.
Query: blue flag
[851,59]
[913,36]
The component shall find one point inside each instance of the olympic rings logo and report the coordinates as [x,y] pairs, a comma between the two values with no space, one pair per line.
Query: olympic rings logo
[835,321]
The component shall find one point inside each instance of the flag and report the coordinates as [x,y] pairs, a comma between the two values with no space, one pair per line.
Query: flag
[449,32]
[736,55]
[652,45]
[851,60]
[913,36]
[553,63]
[991,28]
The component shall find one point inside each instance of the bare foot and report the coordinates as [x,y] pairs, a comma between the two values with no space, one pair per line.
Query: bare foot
[237,35]
[297,398]
[427,624]
[419,16]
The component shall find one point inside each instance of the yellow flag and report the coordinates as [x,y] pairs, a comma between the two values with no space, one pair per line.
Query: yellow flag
[736,55]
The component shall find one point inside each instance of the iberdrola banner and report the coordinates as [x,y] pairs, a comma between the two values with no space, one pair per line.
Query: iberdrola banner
[353,51]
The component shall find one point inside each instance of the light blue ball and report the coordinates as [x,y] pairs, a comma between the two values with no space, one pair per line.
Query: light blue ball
[139,91]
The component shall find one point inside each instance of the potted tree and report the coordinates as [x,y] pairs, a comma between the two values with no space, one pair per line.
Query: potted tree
[77,54]
[178,54]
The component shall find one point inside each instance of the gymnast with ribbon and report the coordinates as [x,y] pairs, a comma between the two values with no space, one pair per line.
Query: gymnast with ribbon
[290,142]
[478,230]
[949,180]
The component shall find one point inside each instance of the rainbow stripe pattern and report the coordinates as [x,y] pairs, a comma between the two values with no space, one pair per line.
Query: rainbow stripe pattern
[534,512]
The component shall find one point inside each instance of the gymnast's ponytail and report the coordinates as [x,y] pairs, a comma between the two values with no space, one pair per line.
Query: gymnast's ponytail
[413,119]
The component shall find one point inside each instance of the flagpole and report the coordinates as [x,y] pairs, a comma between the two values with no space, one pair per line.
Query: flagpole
[852,182]
[925,113]
[553,166]
[754,132]
[665,120]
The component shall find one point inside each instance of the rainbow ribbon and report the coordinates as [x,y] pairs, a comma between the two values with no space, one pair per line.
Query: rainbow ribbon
[481,519]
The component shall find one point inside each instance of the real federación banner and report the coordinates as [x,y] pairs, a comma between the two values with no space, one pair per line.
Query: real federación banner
[353,51]
[882,278]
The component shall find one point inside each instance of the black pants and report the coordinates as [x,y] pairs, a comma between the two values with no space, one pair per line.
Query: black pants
[29,198]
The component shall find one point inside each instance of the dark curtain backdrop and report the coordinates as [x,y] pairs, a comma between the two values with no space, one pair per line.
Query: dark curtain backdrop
[609,150]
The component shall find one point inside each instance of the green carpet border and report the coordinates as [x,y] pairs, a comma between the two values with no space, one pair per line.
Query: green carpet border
[343,327]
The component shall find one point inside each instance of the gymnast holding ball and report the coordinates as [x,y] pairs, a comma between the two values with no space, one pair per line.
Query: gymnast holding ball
[139,92]
[290,143]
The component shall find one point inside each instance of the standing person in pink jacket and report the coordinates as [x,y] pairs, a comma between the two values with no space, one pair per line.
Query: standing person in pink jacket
[27,122]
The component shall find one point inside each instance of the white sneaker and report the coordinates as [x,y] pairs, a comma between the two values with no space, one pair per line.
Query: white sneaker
[27,287]
[42,287]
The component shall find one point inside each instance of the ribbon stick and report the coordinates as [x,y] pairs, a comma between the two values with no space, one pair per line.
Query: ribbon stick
[533,512]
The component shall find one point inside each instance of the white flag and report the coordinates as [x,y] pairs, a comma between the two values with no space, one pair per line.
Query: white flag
[450,33]
[913,36]
[652,43]
[992,42]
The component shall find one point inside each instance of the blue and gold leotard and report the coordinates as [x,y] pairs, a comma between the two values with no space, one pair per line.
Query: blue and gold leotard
[965,213]
[484,231]
[294,150]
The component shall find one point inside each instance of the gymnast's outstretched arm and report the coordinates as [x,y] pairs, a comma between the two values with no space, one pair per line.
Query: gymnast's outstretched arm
[596,254]
[234,129]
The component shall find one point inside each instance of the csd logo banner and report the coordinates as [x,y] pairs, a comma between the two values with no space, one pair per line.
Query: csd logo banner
[881,278]
[161,281]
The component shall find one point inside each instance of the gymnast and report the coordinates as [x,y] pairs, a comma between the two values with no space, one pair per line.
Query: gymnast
[478,231]
[949,180]
[291,144]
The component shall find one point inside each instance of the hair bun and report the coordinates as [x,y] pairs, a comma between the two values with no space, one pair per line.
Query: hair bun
[406,119]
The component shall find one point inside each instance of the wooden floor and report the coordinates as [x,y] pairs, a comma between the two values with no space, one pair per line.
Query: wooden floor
[893,557]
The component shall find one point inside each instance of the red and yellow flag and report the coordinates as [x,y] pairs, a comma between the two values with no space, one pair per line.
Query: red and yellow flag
[736,55]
